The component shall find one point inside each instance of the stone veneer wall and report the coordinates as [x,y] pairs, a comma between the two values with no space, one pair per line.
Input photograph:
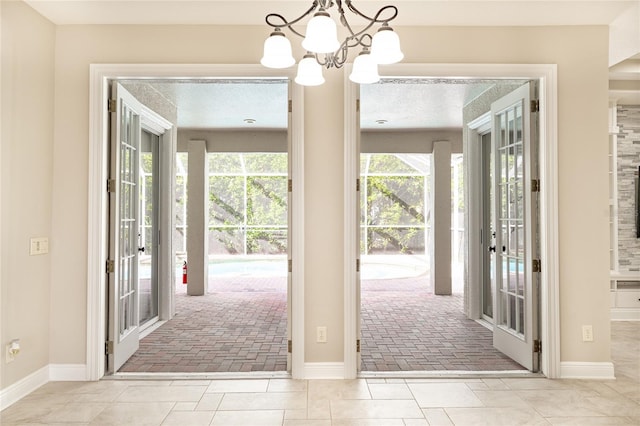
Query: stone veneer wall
[628,161]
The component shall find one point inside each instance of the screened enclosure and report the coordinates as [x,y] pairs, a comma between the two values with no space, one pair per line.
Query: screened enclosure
[395,214]
[248,203]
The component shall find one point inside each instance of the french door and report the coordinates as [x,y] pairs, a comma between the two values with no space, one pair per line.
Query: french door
[515,212]
[124,243]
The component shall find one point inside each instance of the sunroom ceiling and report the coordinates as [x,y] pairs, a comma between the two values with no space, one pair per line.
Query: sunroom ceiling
[420,104]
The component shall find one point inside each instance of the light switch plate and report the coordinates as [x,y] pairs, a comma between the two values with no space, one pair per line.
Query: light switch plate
[39,245]
[321,335]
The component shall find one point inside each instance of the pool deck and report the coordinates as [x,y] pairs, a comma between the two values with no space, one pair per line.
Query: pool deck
[240,326]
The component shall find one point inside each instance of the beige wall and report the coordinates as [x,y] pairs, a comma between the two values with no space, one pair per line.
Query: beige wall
[26,186]
[580,52]
[414,141]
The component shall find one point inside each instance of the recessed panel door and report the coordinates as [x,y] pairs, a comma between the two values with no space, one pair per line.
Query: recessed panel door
[515,298]
[124,230]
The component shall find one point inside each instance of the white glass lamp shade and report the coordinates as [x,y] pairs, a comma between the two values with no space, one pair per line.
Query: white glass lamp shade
[277,51]
[365,69]
[385,46]
[322,34]
[309,72]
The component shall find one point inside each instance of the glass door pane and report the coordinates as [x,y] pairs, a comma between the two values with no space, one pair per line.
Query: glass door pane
[148,228]
[124,228]
[511,218]
[488,233]
[515,211]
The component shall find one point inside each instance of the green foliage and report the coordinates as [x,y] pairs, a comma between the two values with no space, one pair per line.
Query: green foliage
[262,163]
[260,224]
[394,206]
[267,200]
[226,200]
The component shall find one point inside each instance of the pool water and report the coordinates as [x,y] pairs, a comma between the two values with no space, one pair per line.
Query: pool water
[373,267]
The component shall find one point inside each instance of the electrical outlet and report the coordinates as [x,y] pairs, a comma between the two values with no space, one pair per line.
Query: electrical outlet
[587,333]
[321,335]
[38,246]
[13,349]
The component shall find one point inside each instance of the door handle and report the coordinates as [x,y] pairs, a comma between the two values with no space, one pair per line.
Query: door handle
[492,249]
[141,249]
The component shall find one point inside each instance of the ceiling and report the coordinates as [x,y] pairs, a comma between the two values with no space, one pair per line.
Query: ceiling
[418,103]
[262,104]
[411,12]
[224,104]
[419,106]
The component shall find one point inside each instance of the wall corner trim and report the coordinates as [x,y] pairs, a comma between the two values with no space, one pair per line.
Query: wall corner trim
[68,372]
[24,387]
[324,370]
[587,370]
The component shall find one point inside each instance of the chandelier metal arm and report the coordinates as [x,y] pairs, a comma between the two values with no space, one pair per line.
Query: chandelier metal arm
[322,37]
[375,19]
[287,24]
[339,58]
[325,4]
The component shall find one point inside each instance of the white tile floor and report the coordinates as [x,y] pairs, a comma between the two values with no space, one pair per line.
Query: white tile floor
[387,402]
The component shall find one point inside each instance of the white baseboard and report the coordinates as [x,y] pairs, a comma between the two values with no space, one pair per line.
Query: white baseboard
[24,387]
[625,314]
[67,372]
[587,370]
[324,370]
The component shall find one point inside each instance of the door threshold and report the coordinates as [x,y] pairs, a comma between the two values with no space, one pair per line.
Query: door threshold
[200,376]
[149,328]
[449,374]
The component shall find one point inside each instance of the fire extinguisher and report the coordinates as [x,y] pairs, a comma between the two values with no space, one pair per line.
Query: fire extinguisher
[184,272]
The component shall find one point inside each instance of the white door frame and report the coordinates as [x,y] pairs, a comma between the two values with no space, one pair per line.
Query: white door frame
[475,213]
[546,74]
[97,253]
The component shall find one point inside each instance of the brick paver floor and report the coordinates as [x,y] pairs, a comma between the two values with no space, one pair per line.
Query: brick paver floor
[240,325]
[405,327]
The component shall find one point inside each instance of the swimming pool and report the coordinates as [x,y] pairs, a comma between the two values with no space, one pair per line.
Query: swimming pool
[373,267]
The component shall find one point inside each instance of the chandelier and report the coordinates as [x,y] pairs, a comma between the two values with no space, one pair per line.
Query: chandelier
[325,50]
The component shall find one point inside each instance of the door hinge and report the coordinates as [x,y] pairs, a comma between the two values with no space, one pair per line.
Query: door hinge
[357,105]
[357,265]
[535,185]
[112,105]
[358,346]
[111,266]
[535,105]
[289,346]
[111,185]
[537,346]
[537,265]
[290,265]
[290,185]
[108,347]
[357,185]
[290,105]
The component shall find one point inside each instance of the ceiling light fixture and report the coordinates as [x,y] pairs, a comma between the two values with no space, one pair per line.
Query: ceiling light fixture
[324,49]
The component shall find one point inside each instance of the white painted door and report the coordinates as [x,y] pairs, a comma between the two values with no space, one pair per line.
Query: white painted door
[515,224]
[124,230]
